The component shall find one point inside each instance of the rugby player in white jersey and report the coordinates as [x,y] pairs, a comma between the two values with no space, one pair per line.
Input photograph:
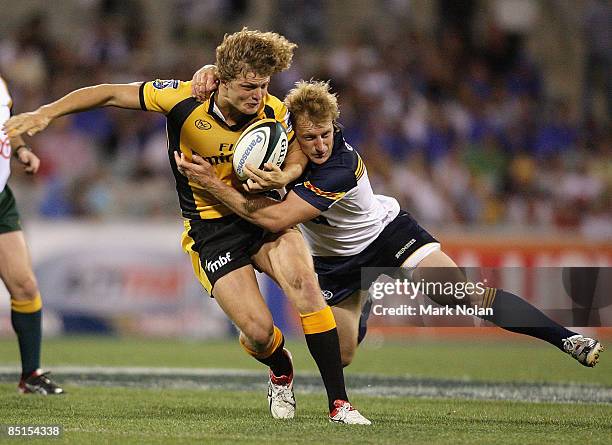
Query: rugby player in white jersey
[348,228]
[15,267]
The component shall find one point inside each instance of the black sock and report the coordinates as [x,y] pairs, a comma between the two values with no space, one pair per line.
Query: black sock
[325,349]
[278,362]
[27,326]
[514,314]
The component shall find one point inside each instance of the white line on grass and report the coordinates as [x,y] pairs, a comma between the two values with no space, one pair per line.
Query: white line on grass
[367,384]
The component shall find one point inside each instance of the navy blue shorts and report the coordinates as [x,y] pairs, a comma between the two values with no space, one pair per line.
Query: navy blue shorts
[340,276]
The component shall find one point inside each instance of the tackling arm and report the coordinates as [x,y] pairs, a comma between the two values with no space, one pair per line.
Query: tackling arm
[265,212]
[117,95]
[273,177]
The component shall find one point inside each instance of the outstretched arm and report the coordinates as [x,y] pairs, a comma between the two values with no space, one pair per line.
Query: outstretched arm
[116,95]
[265,212]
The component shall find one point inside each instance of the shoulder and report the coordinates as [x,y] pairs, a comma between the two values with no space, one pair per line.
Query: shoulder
[341,171]
[162,95]
[274,102]
[274,108]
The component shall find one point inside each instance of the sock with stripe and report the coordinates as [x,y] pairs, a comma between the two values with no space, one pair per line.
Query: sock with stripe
[274,356]
[514,314]
[324,346]
[26,318]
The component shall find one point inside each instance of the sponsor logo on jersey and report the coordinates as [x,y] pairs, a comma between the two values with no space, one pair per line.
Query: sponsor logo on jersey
[404,248]
[220,159]
[161,84]
[327,294]
[213,266]
[201,124]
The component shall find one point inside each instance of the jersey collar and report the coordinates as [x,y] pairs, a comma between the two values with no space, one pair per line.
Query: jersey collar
[216,113]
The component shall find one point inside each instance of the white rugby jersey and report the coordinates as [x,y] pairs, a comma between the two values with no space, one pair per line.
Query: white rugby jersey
[5,150]
[352,215]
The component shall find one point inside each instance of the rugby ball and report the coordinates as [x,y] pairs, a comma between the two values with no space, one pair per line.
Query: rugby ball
[263,141]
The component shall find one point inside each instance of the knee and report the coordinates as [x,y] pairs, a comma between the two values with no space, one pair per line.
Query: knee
[257,334]
[302,279]
[23,289]
[303,285]
[310,292]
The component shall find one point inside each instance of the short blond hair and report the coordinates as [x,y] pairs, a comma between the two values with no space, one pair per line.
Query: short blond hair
[245,51]
[313,100]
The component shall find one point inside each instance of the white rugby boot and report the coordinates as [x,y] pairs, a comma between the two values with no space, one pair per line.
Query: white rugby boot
[344,412]
[281,399]
[584,349]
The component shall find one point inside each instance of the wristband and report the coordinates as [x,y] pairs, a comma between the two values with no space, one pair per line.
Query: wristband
[19,147]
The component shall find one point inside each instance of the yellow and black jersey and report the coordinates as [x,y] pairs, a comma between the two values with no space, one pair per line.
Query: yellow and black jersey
[199,127]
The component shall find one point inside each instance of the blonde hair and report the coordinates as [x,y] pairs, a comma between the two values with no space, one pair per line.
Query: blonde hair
[312,100]
[262,53]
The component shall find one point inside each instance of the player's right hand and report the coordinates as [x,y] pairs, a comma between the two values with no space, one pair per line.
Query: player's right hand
[204,82]
[271,178]
[30,161]
[30,123]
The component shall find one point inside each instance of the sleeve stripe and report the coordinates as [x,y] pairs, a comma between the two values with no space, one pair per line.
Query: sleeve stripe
[360,168]
[329,195]
[141,96]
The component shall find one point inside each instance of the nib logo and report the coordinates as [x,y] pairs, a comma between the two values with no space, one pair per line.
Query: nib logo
[212,266]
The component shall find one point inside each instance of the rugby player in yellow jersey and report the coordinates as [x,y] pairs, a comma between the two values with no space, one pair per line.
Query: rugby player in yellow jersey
[223,247]
[348,228]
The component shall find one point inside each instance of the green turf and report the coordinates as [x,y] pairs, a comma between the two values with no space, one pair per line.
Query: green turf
[490,360]
[164,416]
[113,415]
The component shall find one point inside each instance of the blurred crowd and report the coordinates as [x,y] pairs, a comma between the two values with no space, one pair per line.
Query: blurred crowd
[462,131]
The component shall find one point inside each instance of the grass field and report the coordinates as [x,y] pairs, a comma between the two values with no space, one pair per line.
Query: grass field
[460,390]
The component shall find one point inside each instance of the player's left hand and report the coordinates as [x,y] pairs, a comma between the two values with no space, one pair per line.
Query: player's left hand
[204,82]
[197,170]
[30,161]
[271,178]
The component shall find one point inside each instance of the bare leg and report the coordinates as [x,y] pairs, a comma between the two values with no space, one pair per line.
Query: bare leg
[26,315]
[347,314]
